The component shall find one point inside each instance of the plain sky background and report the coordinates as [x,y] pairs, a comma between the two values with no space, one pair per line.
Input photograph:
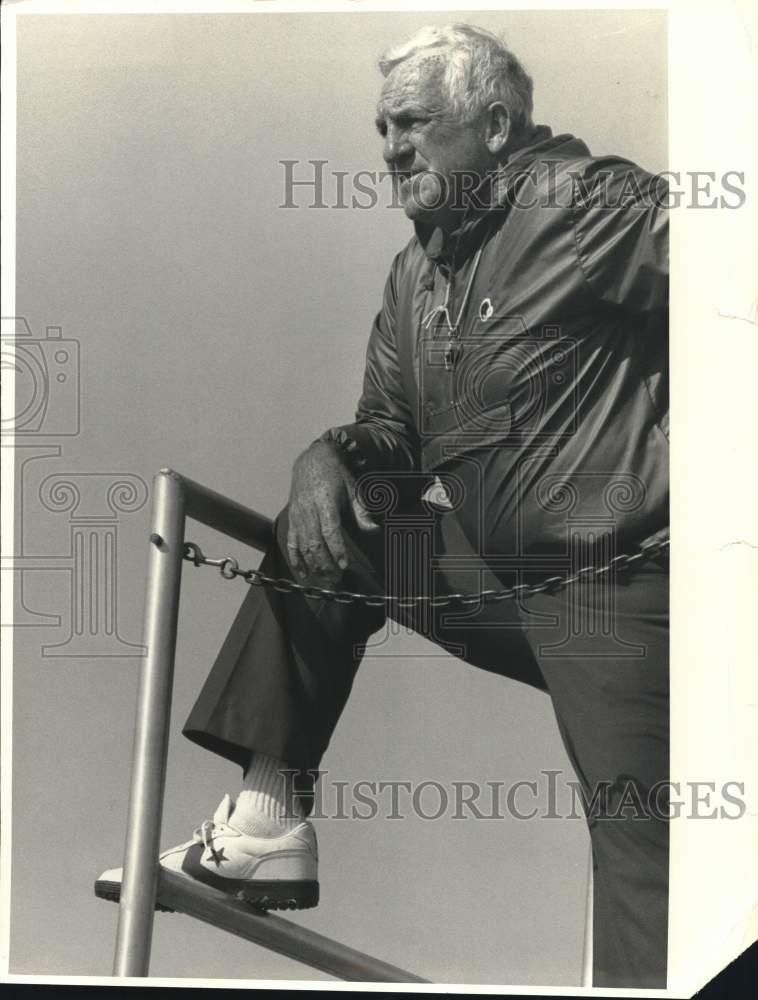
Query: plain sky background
[219,334]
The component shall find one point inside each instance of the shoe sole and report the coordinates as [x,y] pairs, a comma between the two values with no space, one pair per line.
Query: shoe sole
[272,895]
[112,892]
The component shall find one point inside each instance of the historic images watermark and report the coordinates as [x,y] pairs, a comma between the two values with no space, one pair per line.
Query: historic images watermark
[448,593]
[505,381]
[316,184]
[46,414]
[47,380]
[548,796]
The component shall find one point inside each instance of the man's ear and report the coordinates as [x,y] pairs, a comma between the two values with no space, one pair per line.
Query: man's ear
[497,127]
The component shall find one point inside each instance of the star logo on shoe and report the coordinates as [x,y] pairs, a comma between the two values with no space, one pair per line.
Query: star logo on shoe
[217,856]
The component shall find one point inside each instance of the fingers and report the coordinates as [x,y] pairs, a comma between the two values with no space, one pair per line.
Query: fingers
[322,489]
[315,547]
[332,534]
[294,555]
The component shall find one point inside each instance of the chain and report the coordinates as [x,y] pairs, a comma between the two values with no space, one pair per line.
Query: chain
[230,569]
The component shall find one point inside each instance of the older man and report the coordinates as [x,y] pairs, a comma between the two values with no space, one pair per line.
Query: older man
[518,358]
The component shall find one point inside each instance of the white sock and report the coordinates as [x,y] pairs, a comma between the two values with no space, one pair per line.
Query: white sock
[264,808]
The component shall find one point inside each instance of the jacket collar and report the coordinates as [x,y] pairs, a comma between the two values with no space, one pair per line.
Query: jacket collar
[440,246]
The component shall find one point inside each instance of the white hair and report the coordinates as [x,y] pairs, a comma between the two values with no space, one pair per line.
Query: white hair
[478,69]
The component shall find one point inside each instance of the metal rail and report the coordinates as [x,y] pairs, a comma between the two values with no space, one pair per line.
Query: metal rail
[175,498]
[225,515]
[272,932]
[143,829]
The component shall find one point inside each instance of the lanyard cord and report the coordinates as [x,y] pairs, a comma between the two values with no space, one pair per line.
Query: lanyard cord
[444,308]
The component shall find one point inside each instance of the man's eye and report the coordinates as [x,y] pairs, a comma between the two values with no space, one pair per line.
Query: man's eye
[404,122]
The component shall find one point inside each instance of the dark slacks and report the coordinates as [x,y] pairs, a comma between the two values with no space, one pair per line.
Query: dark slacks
[286,669]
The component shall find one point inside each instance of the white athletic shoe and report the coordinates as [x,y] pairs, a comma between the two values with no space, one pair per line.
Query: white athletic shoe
[271,873]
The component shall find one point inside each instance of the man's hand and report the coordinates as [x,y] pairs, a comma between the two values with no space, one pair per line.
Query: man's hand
[321,497]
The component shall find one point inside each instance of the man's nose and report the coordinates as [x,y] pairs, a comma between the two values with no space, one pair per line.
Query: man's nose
[398,150]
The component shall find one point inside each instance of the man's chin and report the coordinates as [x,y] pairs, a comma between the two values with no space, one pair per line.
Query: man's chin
[421,197]
[417,212]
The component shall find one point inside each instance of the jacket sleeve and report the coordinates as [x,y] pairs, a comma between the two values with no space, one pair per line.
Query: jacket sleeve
[383,436]
[621,233]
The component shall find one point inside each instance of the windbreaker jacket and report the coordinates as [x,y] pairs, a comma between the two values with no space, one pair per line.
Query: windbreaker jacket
[525,356]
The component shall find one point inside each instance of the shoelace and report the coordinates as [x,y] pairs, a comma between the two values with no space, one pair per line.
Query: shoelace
[204,835]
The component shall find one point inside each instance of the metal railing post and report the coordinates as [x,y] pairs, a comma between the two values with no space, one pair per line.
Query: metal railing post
[136,908]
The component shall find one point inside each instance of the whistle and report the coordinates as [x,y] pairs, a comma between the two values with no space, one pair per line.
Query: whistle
[452,353]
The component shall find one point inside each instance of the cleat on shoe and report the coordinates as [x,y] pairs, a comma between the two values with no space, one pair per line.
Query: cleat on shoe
[269,873]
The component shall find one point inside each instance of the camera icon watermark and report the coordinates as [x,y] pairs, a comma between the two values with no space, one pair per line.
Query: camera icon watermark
[497,383]
[46,373]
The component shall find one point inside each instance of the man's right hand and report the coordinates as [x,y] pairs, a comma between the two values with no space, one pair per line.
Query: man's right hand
[321,498]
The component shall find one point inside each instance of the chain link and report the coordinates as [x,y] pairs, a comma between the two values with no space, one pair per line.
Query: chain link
[229,569]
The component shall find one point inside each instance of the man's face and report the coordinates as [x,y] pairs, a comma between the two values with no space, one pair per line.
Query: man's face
[423,136]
